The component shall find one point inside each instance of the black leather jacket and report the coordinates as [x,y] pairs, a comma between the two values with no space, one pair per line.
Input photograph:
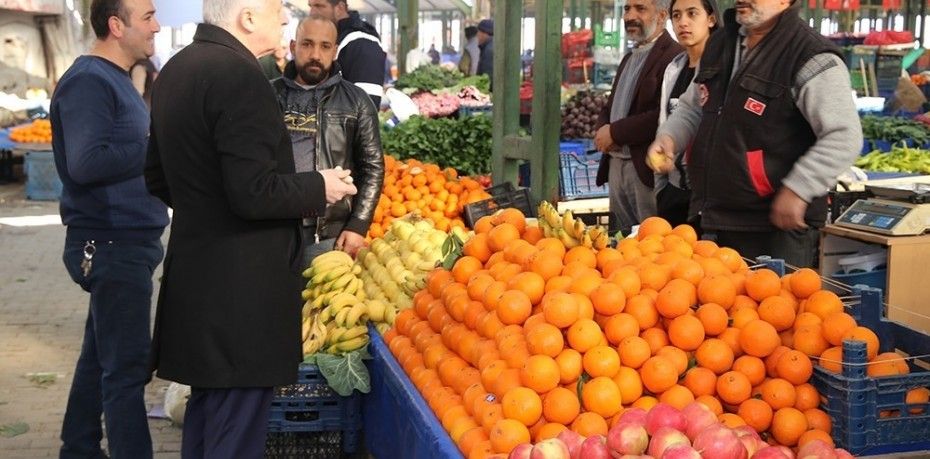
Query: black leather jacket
[347,136]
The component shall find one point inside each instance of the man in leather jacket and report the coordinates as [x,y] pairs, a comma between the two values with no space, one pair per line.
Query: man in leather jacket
[333,123]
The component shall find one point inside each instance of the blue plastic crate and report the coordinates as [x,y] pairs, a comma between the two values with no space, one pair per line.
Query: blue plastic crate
[578,174]
[311,405]
[577,147]
[484,110]
[604,74]
[42,181]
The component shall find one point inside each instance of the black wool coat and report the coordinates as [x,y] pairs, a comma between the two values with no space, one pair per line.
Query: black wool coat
[228,310]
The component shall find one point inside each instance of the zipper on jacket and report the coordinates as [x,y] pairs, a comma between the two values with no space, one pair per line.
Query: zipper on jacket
[319,150]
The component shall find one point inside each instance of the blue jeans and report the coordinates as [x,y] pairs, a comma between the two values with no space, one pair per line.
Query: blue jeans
[226,423]
[113,367]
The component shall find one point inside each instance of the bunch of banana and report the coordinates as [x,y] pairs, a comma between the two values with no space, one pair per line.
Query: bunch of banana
[331,272]
[314,335]
[570,230]
[341,326]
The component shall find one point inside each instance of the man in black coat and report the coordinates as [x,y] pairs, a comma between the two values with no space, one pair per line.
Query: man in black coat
[228,317]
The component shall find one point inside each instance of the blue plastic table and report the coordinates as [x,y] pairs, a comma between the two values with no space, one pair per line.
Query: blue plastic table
[398,421]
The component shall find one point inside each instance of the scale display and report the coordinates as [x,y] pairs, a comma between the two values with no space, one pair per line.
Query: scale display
[885,217]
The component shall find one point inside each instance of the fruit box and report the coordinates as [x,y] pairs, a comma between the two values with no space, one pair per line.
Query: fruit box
[518,199]
[311,405]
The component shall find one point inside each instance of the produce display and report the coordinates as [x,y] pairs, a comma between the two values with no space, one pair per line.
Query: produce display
[434,106]
[894,129]
[335,314]
[524,339]
[580,114]
[666,432]
[471,96]
[39,131]
[899,159]
[460,143]
[433,77]
[571,231]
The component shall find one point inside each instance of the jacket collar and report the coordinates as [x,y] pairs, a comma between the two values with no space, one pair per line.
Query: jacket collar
[214,34]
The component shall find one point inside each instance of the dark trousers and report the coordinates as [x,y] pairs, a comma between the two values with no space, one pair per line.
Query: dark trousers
[798,248]
[226,423]
[112,370]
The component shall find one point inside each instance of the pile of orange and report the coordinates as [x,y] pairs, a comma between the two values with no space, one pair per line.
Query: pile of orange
[39,131]
[524,338]
[439,195]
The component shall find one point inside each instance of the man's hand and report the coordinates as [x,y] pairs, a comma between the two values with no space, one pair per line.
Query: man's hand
[349,242]
[337,184]
[788,210]
[603,140]
[660,156]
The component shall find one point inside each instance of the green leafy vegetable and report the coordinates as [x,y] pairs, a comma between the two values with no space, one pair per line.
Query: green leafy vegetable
[894,129]
[346,373]
[463,144]
[429,77]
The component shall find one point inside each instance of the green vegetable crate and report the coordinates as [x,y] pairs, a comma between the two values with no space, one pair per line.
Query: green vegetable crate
[308,419]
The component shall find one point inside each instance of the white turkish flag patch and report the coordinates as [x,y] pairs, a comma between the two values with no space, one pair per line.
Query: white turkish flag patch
[754,106]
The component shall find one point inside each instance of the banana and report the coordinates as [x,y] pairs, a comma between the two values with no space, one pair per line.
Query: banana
[376,310]
[335,335]
[341,316]
[426,266]
[320,331]
[595,231]
[355,314]
[353,285]
[356,268]
[315,303]
[360,293]
[332,255]
[305,327]
[602,241]
[350,345]
[305,294]
[579,229]
[341,301]
[404,301]
[326,314]
[382,328]
[586,241]
[341,282]
[308,273]
[351,333]
[567,239]
[390,313]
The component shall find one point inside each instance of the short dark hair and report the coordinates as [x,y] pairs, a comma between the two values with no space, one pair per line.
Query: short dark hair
[470,32]
[100,13]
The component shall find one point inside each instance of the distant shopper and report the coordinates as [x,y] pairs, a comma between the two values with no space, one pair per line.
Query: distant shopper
[771,123]
[317,104]
[100,127]
[471,54]
[143,74]
[273,63]
[693,21]
[486,45]
[433,53]
[359,54]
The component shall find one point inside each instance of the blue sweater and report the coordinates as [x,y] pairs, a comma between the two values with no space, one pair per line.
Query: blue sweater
[100,128]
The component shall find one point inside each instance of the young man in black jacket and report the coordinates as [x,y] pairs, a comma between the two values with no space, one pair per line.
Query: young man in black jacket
[331,123]
[359,50]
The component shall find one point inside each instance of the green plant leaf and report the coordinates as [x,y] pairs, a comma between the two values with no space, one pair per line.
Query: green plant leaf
[347,372]
[13,429]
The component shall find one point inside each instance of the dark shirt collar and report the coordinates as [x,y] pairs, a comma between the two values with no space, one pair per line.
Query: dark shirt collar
[214,34]
[116,66]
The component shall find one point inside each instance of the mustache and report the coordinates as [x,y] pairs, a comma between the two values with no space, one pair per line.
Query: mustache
[314,63]
[633,23]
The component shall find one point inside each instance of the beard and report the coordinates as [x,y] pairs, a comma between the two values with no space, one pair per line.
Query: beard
[755,17]
[643,30]
[314,72]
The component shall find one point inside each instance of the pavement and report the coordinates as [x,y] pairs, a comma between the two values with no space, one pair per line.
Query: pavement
[42,316]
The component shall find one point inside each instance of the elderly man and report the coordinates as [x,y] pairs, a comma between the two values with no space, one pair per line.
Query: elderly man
[332,123]
[631,116]
[228,318]
[772,122]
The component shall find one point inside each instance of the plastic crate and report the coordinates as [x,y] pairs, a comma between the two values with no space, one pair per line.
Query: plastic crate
[577,147]
[519,199]
[608,55]
[578,70]
[303,445]
[500,191]
[855,401]
[311,405]
[602,38]
[578,174]
[42,181]
[465,111]
[577,43]
[604,75]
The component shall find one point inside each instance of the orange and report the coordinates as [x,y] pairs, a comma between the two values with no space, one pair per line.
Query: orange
[602,396]
[464,267]
[502,235]
[823,303]
[560,309]
[655,276]
[530,283]
[756,413]
[806,397]
[484,224]
[795,367]
[815,434]
[642,308]
[713,317]
[917,396]
[818,419]
[686,332]
[532,234]
[678,357]
[688,270]
[540,373]
[570,364]
[715,355]
[436,282]
[658,374]
[507,434]
[656,337]
[514,307]
[549,429]
[733,388]
[561,405]
[653,225]
[731,420]
[865,335]
[619,327]
[587,282]
[522,404]
[584,334]
[629,383]
[804,282]
[752,367]
[832,359]
[601,361]
[778,393]
[743,316]
[545,339]
[478,247]
[759,338]
[778,311]
[677,396]
[806,318]
[608,298]
[809,339]
[835,325]
[581,254]
[588,424]
[512,216]
[700,381]
[711,402]
[471,439]
[788,424]
[634,351]
[762,283]
[675,298]
[730,258]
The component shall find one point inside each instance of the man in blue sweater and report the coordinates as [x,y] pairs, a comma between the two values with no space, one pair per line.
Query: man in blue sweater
[100,128]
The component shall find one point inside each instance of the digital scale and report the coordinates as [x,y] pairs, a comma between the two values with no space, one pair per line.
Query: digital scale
[896,210]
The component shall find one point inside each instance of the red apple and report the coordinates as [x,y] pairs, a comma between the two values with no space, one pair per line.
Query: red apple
[697,417]
[521,451]
[744,430]
[497,456]
[681,451]
[751,441]
[720,441]
[572,440]
[664,438]
[633,416]
[551,448]
[594,447]
[817,449]
[771,452]
[628,438]
[664,415]
[842,454]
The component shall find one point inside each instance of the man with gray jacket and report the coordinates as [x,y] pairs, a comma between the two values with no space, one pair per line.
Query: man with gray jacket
[771,123]
[332,123]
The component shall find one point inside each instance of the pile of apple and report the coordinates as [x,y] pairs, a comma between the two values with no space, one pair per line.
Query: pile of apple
[668,433]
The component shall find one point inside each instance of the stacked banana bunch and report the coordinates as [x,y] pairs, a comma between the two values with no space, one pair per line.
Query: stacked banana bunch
[570,230]
[334,315]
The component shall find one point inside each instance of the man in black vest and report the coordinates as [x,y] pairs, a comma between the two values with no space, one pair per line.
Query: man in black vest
[773,123]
